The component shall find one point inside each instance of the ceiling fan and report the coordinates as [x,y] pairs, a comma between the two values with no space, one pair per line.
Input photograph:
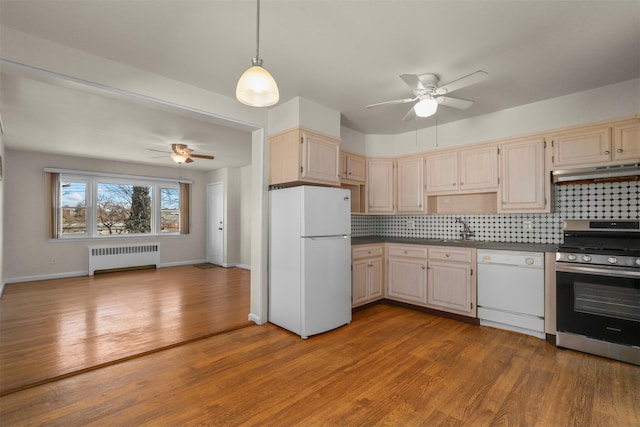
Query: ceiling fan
[180,153]
[427,95]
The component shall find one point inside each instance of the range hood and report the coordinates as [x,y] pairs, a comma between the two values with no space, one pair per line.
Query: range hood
[628,172]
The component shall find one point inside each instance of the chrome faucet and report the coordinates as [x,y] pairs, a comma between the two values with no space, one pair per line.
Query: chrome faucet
[466,231]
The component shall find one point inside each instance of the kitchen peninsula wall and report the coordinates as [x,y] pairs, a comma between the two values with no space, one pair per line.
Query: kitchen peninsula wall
[618,200]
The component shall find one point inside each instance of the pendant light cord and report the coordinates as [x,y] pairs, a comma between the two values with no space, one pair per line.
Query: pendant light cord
[258,33]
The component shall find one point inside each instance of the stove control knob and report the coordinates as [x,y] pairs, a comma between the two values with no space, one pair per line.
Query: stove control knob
[637,261]
[586,258]
[612,260]
[571,257]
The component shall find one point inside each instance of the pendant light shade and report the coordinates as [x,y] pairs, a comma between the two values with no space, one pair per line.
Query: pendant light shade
[178,158]
[426,107]
[257,87]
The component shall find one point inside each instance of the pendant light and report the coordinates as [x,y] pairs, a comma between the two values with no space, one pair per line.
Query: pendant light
[256,86]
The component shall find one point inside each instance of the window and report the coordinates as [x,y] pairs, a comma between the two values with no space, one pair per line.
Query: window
[109,206]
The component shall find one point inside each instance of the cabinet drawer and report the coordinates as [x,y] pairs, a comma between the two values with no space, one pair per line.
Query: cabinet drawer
[411,251]
[451,254]
[367,251]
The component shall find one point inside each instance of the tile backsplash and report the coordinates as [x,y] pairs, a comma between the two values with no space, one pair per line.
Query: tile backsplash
[618,200]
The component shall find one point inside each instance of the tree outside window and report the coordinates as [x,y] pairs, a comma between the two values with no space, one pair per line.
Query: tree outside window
[123,209]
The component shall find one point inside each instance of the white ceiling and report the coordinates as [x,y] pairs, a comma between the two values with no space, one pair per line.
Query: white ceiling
[341,54]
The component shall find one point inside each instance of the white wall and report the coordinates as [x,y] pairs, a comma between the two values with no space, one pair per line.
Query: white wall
[28,247]
[607,102]
[304,113]
[2,180]
[245,216]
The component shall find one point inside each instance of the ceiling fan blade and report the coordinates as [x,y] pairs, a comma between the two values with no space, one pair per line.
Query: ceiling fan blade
[189,160]
[461,104]
[159,151]
[411,114]
[396,101]
[414,82]
[201,156]
[465,81]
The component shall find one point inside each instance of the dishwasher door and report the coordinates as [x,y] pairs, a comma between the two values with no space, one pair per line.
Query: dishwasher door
[511,290]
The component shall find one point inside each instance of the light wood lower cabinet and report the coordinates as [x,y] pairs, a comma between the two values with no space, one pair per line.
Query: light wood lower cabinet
[366,274]
[451,280]
[407,274]
[438,277]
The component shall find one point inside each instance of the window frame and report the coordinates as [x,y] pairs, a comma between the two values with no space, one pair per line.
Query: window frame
[92,182]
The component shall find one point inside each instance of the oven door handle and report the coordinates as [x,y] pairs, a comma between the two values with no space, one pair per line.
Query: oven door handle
[616,272]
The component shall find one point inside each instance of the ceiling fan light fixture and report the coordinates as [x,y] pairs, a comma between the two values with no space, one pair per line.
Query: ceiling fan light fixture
[257,87]
[426,107]
[179,158]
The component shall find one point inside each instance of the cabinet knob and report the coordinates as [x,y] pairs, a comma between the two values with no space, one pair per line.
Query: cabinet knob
[405,252]
[454,184]
[423,267]
[349,173]
[619,150]
[607,152]
[447,255]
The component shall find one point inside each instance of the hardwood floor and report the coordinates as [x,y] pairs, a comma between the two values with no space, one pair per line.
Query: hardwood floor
[55,328]
[390,366]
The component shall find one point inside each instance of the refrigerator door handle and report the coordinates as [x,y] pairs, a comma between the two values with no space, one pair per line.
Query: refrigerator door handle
[337,236]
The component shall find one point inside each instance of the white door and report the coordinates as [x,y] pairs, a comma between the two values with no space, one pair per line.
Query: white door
[215,223]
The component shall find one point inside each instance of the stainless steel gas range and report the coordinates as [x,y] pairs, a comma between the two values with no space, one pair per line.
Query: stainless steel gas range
[598,288]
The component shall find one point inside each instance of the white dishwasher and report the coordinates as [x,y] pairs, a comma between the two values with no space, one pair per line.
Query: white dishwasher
[511,290]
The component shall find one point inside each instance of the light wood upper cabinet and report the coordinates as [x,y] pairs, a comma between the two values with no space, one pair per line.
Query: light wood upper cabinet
[410,194]
[380,185]
[479,169]
[581,147]
[352,167]
[367,276]
[451,280]
[524,183]
[468,170]
[442,172]
[626,141]
[407,274]
[300,155]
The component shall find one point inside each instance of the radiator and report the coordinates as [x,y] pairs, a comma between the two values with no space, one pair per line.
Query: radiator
[123,256]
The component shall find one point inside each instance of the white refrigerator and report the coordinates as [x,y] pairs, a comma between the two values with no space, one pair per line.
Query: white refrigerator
[309,259]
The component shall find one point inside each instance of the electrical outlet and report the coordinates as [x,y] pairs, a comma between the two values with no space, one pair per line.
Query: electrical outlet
[411,224]
[527,225]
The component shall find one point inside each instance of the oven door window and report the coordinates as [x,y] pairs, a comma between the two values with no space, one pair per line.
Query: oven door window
[598,306]
[611,301]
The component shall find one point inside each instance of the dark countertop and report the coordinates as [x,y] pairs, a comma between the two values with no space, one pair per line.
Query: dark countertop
[505,246]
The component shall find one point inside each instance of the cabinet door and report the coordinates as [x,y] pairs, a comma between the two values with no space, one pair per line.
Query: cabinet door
[450,287]
[479,169]
[355,168]
[410,185]
[359,273]
[522,177]
[320,158]
[626,139]
[375,279]
[408,280]
[343,165]
[581,148]
[380,185]
[442,172]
